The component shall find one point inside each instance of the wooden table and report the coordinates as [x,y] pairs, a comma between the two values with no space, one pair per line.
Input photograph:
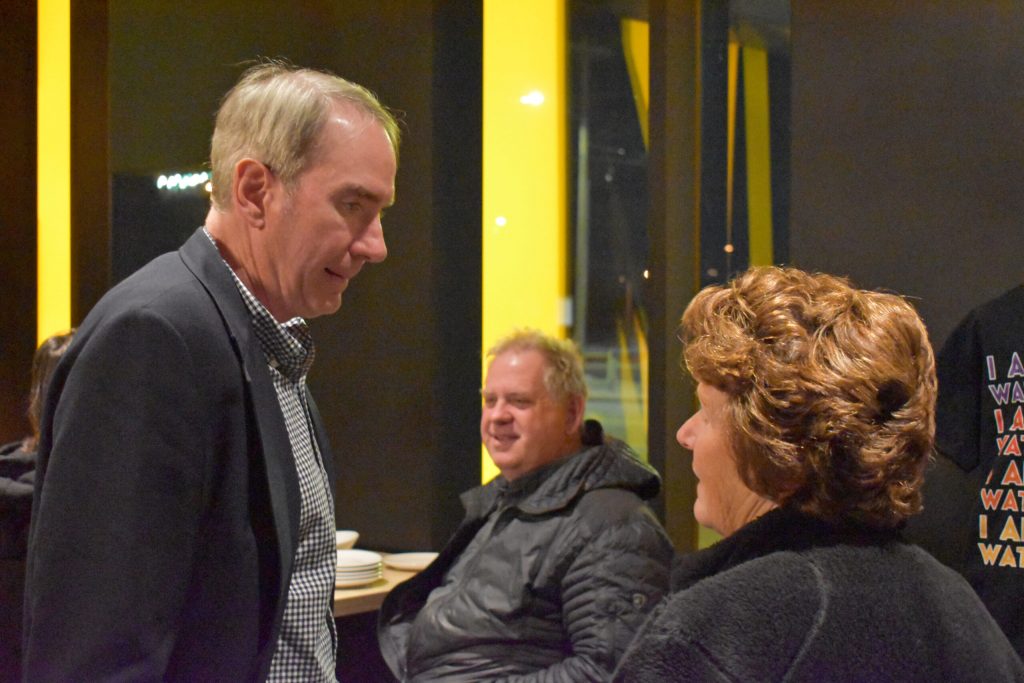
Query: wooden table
[349,601]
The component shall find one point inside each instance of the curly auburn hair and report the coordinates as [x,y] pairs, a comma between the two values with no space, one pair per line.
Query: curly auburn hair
[831,390]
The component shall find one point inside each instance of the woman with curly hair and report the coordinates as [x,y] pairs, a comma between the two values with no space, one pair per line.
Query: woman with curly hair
[815,425]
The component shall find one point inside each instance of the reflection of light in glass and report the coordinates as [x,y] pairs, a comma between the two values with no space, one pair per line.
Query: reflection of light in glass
[534,98]
[729,248]
[183,181]
[647,275]
[501,221]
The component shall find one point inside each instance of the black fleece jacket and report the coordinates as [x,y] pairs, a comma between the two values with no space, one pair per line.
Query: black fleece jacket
[791,598]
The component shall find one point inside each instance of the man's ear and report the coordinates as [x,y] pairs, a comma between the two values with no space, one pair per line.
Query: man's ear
[250,183]
[577,405]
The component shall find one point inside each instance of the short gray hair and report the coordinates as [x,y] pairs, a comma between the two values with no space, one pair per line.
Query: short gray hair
[563,372]
[275,113]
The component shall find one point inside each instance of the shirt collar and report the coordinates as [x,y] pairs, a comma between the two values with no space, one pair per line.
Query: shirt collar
[288,346]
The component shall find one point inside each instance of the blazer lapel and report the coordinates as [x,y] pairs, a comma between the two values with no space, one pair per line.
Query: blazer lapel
[276,454]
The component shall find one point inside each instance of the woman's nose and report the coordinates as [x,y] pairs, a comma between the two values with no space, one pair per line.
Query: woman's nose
[685,433]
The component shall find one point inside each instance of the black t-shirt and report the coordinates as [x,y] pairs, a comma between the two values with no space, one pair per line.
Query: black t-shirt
[980,427]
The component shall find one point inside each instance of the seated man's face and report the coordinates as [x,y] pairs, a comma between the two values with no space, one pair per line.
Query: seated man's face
[522,425]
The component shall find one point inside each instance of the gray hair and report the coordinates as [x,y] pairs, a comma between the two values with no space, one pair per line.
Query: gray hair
[275,113]
[563,372]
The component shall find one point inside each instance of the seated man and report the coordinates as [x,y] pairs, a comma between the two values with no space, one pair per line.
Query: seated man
[558,559]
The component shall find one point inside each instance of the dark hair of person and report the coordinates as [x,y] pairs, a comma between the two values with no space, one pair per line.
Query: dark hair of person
[43,364]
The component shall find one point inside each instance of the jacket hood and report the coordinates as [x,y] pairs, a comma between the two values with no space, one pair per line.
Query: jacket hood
[610,464]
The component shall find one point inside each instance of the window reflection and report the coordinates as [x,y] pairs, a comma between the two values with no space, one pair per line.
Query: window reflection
[609,213]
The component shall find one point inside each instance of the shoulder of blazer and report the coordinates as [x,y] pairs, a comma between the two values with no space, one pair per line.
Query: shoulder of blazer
[208,268]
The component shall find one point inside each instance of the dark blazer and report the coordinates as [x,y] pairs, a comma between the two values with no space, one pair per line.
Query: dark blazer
[166,510]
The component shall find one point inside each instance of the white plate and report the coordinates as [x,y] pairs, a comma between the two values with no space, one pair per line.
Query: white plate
[353,583]
[359,577]
[341,574]
[360,570]
[410,562]
[357,559]
[345,538]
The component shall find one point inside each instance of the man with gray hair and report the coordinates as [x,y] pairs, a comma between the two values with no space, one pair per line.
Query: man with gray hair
[183,520]
[558,559]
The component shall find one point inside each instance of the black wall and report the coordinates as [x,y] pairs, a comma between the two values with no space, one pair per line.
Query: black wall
[908,139]
[17,214]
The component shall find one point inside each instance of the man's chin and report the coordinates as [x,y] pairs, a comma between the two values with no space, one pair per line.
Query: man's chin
[500,458]
[495,446]
[326,307]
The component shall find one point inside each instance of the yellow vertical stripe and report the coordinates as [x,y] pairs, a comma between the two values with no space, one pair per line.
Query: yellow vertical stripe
[54,168]
[636,41]
[733,67]
[759,180]
[524,170]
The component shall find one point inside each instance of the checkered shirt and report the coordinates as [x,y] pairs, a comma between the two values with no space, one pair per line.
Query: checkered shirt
[308,643]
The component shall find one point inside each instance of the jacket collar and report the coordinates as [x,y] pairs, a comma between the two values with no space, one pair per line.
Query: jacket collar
[202,258]
[779,530]
[555,486]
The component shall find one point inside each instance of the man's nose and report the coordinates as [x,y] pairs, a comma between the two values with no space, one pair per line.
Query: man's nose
[501,412]
[371,245]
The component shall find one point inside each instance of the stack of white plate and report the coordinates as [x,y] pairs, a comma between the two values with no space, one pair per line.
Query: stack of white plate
[357,568]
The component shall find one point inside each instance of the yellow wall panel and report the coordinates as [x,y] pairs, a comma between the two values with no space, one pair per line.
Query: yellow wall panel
[524,170]
[54,168]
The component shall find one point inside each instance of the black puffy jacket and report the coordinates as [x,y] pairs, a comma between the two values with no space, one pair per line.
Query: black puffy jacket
[547,579]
